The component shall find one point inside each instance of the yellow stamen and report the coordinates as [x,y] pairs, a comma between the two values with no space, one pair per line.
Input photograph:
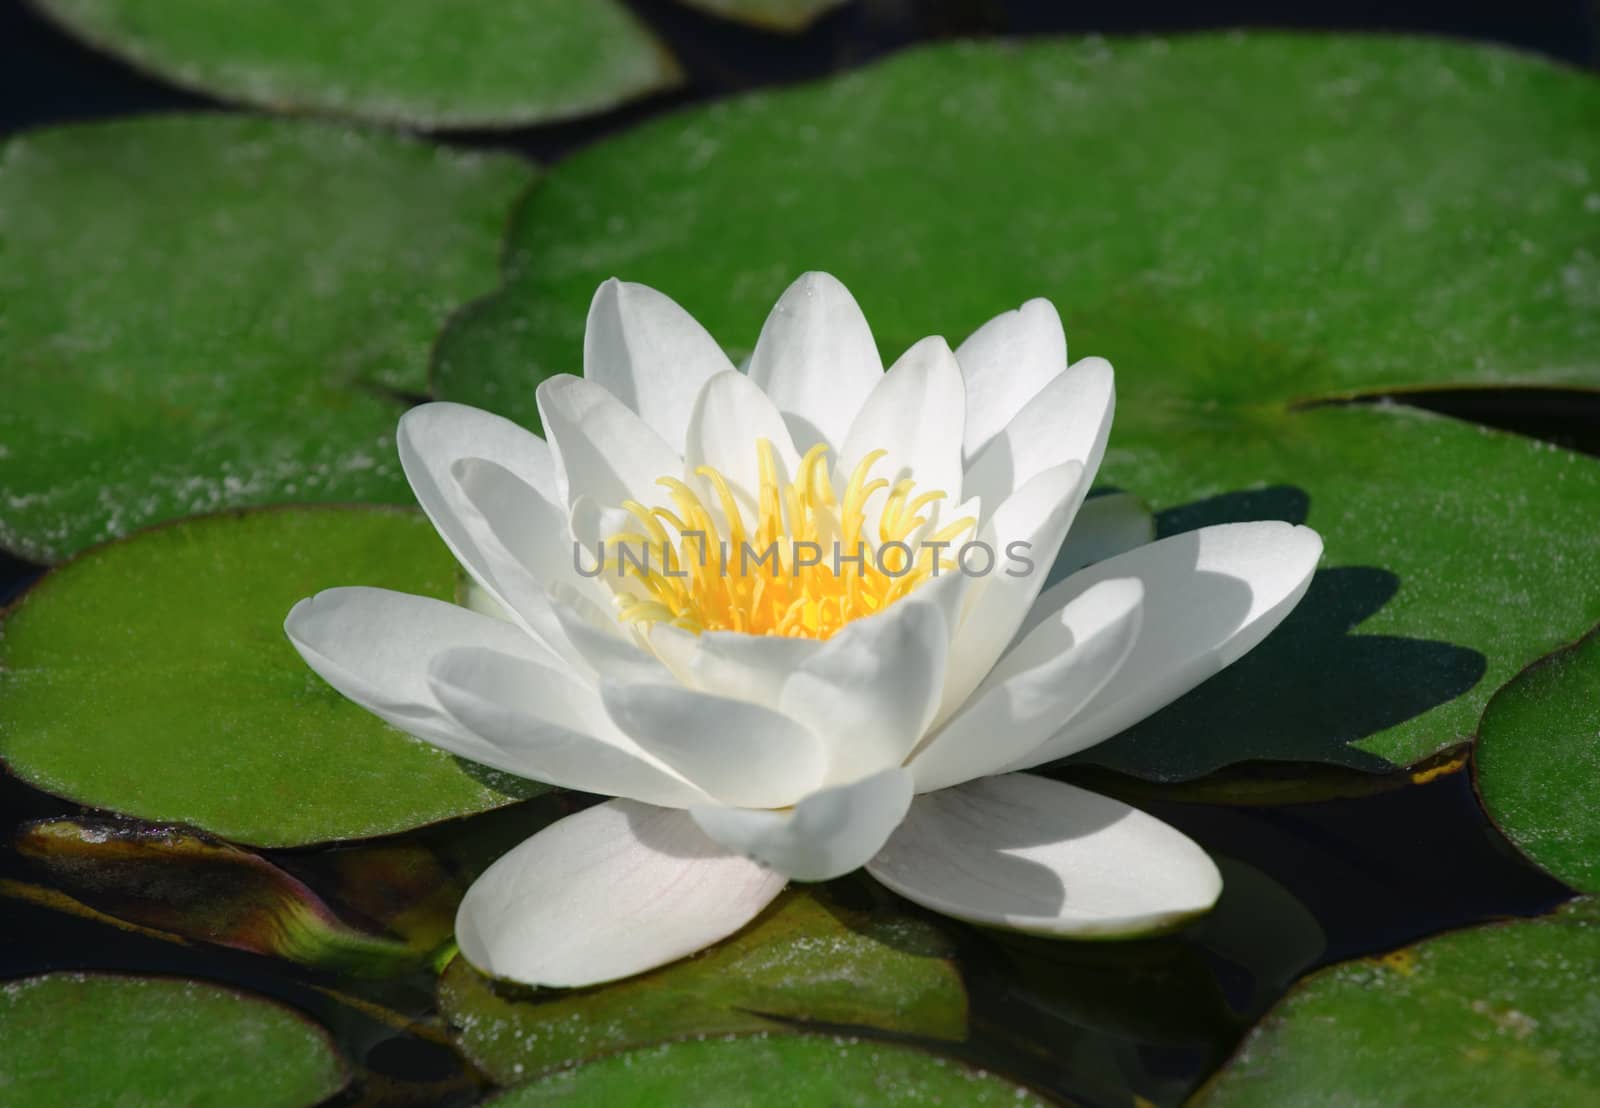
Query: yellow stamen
[796,571]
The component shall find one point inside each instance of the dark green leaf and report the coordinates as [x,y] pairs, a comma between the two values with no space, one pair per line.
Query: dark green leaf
[205,312]
[1538,763]
[473,64]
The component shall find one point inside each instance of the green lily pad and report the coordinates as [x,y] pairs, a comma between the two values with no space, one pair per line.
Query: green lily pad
[1238,276]
[207,312]
[101,1041]
[152,677]
[1503,1014]
[478,64]
[773,15]
[1537,760]
[805,958]
[784,1071]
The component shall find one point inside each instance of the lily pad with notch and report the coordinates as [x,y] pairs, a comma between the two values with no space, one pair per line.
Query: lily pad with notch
[1231,221]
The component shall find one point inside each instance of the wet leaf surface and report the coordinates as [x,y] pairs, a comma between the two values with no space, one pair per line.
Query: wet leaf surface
[208,311]
[806,958]
[152,677]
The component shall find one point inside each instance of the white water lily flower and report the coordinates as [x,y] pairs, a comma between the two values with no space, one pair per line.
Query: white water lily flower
[759,723]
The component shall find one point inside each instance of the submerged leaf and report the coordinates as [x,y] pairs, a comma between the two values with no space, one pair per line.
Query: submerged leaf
[806,958]
[783,1071]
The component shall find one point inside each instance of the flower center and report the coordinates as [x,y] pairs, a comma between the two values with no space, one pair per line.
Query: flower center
[808,568]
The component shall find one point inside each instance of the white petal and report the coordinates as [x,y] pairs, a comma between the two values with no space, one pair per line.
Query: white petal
[1036,687]
[432,437]
[1068,421]
[528,543]
[1037,517]
[1103,528]
[1210,596]
[433,441]
[525,526]
[826,835]
[738,752]
[817,360]
[730,418]
[1005,363]
[375,647]
[599,647]
[732,663]
[645,350]
[915,413]
[615,890]
[1031,854]
[603,449]
[871,691]
[549,727]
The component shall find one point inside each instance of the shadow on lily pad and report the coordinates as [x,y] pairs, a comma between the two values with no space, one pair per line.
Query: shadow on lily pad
[1315,687]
